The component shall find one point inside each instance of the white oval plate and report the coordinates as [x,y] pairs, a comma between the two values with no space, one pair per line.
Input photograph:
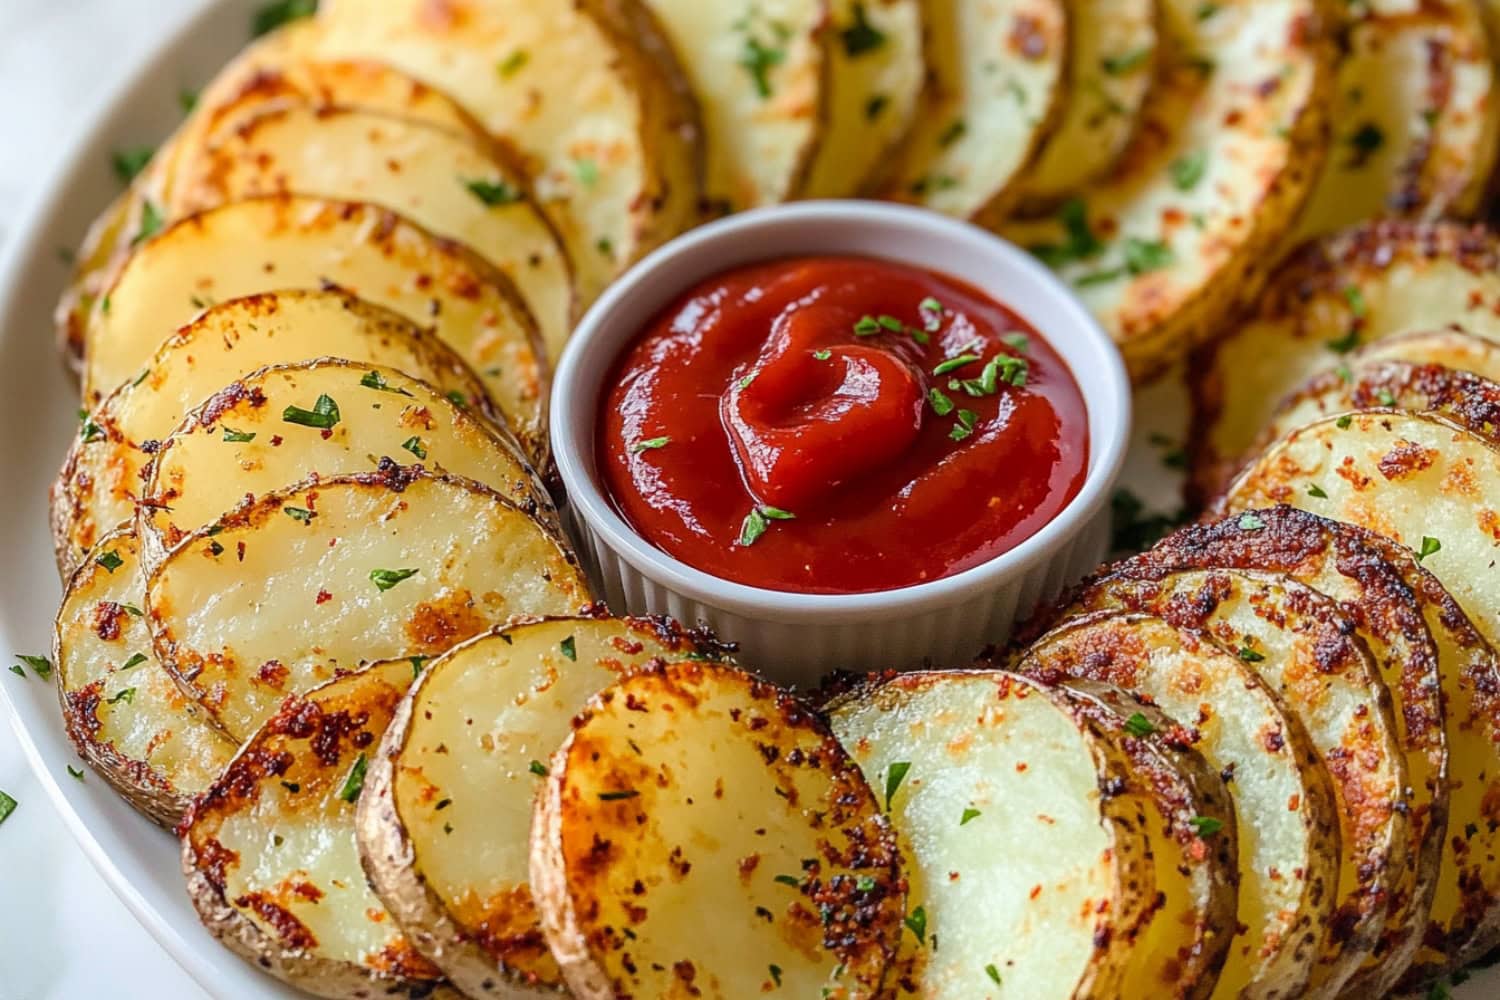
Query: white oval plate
[38,406]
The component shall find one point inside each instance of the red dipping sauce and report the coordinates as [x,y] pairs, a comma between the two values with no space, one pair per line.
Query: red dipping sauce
[839,425]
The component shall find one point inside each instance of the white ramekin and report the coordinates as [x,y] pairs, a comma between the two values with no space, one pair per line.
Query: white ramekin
[796,638]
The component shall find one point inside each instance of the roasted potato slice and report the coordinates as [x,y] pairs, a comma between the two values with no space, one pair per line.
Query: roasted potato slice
[101,477]
[446,812]
[1182,229]
[1305,648]
[123,712]
[284,242]
[712,792]
[1036,882]
[762,76]
[1283,798]
[240,443]
[1375,281]
[997,76]
[1334,560]
[875,80]
[1415,117]
[1110,72]
[269,851]
[590,93]
[448,182]
[314,579]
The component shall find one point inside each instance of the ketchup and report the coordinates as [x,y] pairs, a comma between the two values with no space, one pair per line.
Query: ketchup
[839,425]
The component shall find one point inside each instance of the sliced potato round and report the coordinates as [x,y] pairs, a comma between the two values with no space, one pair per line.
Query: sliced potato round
[102,475]
[876,78]
[590,93]
[1304,647]
[123,712]
[1375,281]
[284,242]
[693,788]
[762,76]
[446,812]
[270,855]
[1035,881]
[319,578]
[1288,820]
[1334,560]
[244,441]
[1182,229]
[1110,73]
[997,76]
[1415,117]
[448,182]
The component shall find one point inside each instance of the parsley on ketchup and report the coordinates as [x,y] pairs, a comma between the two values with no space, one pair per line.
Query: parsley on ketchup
[839,425]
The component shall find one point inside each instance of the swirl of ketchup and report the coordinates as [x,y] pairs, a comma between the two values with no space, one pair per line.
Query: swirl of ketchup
[839,425]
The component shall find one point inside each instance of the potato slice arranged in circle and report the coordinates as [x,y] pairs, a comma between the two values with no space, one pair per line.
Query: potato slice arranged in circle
[692,789]
[270,855]
[1304,647]
[446,812]
[255,436]
[101,476]
[124,713]
[1283,798]
[449,182]
[282,242]
[322,577]
[1025,871]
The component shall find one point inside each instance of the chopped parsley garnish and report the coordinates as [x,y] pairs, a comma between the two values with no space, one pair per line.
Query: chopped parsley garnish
[969,814]
[758,520]
[1144,256]
[917,924]
[628,793]
[1080,241]
[865,883]
[126,695]
[355,782]
[1206,826]
[866,326]
[133,609]
[18,670]
[993,973]
[823,355]
[40,665]
[7,806]
[1250,521]
[569,647]
[1343,422]
[238,437]
[941,404]
[967,421]
[1429,547]
[324,415]
[758,59]
[110,560]
[512,63]
[952,133]
[457,398]
[788,880]
[775,971]
[493,193]
[274,15]
[895,774]
[1364,142]
[538,768]
[414,445]
[1314,490]
[1138,725]
[1344,344]
[954,364]
[875,105]
[1356,299]
[416,665]
[385,579]
[1126,62]
[90,430]
[299,514]
[375,380]
[1188,170]
[151,222]
[130,162]
[76,774]
[588,171]
[1017,342]
[135,660]
[1250,655]
[1003,368]
[860,37]
[650,444]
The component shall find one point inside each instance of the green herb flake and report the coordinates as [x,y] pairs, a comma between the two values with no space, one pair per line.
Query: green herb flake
[867,326]
[954,364]
[1344,344]
[385,579]
[127,695]
[890,323]
[1249,655]
[238,437]
[1314,490]
[875,105]
[1356,299]
[1188,170]
[414,445]
[628,793]
[1343,422]
[1250,521]
[40,665]
[650,444]
[941,404]
[128,163]
[752,528]
[1145,256]
[355,782]
[775,971]
[18,670]
[1080,241]
[187,100]
[823,355]
[1385,397]
[75,773]
[587,170]
[788,880]
[151,222]
[967,421]
[970,814]
[135,660]
[1139,726]
[954,132]
[375,380]
[1364,142]
[538,768]
[895,774]
[1430,546]
[110,560]
[1126,62]
[993,973]
[90,431]
[7,806]
[273,15]
[569,647]
[1206,826]
[493,193]
[860,37]
[511,64]
[324,415]
[215,549]
[916,922]
[758,59]
[299,514]
[416,665]
[1017,342]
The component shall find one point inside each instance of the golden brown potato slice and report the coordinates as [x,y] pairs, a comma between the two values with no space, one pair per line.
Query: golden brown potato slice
[876,78]
[1415,117]
[1182,230]
[449,182]
[283,242]
[322,577]
[239,443]
[997,79]
[446,812]
[269,851]
[123,712]
[101,477]
[712,792]
[1375,281]
[1110,73]
[590,93]
[1283,798]
[1035,882]
[1334,560]
[1304,647]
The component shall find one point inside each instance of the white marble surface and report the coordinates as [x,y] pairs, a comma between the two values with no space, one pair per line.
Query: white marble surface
[63,935]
